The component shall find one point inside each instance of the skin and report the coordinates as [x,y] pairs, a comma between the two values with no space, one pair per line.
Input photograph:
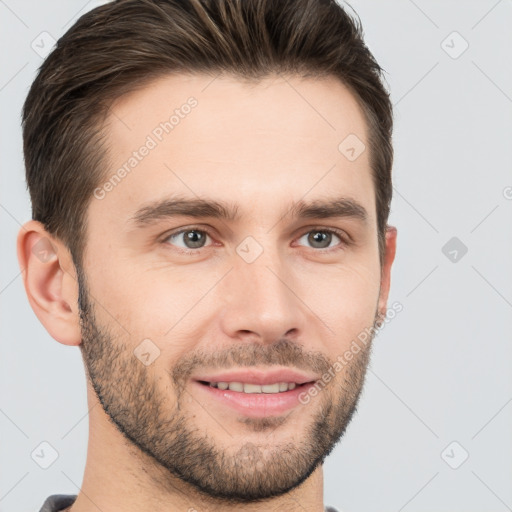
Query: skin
[155,440]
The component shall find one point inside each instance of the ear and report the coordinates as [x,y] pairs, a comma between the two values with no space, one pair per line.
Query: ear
[49,278]
[385,280]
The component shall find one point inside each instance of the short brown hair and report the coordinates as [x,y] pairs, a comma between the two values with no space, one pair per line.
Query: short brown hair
[123,45]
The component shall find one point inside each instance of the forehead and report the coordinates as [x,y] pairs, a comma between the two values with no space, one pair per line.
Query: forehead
[266,143]
[226,110]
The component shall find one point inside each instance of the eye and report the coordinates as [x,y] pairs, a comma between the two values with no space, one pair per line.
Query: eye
[193,238]
[321,238]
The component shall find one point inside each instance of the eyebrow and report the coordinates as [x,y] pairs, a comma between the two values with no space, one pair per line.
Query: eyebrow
[342,207]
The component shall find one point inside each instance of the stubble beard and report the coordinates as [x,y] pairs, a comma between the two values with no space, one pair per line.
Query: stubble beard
[181,449]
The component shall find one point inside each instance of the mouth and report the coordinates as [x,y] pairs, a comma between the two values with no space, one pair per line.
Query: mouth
[252,400]
[246,387]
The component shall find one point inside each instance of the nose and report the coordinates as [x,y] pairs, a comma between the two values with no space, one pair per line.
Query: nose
[261,301]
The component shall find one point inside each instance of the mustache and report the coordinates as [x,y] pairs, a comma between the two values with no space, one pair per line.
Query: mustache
[282,353]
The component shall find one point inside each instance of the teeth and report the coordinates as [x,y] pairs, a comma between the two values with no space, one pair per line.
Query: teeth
[270,388]
[252,388]
[277,387]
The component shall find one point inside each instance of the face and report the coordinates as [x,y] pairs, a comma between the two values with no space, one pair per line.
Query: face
[263,280]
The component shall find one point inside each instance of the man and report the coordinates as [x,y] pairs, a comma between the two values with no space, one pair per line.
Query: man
[210,183]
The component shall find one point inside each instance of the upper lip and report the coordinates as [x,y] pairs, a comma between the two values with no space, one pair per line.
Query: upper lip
[255,376]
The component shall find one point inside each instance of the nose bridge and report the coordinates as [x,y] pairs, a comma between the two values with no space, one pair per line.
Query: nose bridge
[259,293]
[265,281]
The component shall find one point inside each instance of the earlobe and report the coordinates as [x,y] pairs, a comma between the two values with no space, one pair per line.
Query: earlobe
[389,257]
[50,282]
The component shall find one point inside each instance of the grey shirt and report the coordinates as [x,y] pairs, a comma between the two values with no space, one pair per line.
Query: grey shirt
[57,502]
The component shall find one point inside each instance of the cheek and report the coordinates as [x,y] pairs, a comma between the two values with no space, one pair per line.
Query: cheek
[123,302]
[347,303]
[149,317]
[151,307]
[169,307]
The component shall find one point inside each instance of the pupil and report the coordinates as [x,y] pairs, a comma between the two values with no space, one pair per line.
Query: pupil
[194,237]
[319,237]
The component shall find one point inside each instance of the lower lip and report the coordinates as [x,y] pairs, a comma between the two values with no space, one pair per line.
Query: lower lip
[256,405]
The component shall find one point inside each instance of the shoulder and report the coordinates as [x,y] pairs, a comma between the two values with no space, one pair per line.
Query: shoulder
[57,502]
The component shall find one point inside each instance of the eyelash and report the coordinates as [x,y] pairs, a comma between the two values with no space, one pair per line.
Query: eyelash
[345,241]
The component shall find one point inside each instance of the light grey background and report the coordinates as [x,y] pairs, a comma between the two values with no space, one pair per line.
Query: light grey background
[441,370]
